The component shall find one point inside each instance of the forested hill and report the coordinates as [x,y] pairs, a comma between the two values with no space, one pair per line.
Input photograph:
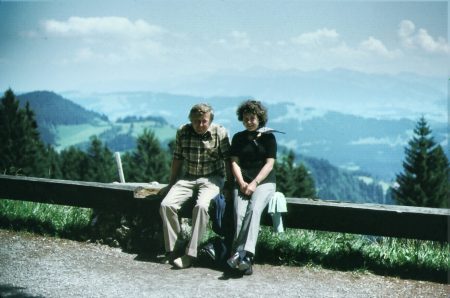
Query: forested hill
[53,109]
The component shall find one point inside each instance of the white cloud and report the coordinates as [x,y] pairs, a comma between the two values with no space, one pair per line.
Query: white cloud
[235,40]
[376,46]
[99,27]
[109,40]
[410,38]
[320,38]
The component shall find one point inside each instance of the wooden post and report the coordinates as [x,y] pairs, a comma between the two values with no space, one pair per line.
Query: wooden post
[119,167]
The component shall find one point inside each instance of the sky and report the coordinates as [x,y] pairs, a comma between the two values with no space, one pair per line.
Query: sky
[198,47]
[108,45]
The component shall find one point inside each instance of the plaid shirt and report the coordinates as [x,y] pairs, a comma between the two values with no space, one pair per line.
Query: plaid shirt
[203,155]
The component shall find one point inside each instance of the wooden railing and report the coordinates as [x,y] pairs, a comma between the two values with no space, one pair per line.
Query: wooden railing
[368,219]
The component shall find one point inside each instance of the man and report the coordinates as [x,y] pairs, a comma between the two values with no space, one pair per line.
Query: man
[203,148]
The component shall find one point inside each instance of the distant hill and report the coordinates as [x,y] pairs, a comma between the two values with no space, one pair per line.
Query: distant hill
[63,123]
[53,110]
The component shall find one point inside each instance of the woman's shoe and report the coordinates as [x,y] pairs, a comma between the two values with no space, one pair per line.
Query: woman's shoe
[233,262]
[245,264]
[249,271]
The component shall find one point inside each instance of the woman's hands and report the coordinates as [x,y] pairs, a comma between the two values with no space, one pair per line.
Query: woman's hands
[248,188]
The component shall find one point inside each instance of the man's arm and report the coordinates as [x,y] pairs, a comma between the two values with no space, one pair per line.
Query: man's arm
[175,171]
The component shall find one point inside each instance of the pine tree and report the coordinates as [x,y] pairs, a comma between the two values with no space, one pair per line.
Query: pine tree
[425,181]
[292,180]
[52,163]
[100,166]
[21,149]
[148,162]
[73,164]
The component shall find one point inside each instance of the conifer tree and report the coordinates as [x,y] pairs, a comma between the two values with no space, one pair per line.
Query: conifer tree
[52,163]
[425,180]
[292,180]
[148,162]
[100,166]
[21,149]
[73,164]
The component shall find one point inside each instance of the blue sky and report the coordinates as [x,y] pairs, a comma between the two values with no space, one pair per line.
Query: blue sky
[204,48]
[111,45]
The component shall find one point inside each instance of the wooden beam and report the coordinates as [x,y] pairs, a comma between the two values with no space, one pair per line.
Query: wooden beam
[367,219]
[110,196]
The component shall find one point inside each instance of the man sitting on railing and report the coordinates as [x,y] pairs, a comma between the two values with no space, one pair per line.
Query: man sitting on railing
[203,148]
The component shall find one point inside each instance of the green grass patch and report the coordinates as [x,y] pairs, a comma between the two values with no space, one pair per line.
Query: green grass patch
[424,260]
[55,220]
[68,135]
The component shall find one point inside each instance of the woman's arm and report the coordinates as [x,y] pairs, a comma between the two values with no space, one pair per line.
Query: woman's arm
[265,171]
[236,169]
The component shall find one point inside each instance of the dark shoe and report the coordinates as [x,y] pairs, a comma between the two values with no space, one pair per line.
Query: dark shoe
[209,250]
[233,262]
[168,258]
[249,271]
[244,264]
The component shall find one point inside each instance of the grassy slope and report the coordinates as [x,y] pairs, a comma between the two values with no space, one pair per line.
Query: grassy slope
[70,135]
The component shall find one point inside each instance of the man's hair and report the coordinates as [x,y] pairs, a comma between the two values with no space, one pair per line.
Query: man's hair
[254,107]
[201,109]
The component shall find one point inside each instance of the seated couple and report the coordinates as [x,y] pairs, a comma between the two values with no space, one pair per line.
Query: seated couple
[203,149]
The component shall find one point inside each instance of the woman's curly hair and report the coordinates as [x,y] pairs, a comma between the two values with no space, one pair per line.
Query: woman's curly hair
[254,107]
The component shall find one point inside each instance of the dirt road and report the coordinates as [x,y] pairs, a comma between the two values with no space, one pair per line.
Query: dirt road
[37,266]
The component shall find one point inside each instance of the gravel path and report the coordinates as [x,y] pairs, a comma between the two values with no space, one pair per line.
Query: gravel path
[37,266]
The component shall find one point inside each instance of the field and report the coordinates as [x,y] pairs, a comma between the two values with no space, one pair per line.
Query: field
[71,135]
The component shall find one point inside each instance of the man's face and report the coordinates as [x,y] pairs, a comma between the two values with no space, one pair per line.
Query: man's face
[201,123]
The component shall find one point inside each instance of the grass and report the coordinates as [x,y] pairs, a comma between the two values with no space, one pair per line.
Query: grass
[68,135]
[47,219]
[417,259]
[423,260]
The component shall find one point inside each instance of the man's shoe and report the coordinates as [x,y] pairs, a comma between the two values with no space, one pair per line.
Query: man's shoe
[183,262]
[168,258]
[209,250]
[233,262]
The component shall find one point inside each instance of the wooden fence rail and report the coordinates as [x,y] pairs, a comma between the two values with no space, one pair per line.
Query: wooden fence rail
[368,219]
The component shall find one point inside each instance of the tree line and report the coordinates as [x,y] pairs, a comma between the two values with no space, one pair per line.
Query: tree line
[425,181]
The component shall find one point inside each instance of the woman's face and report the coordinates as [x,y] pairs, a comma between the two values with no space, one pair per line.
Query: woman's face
[250,121]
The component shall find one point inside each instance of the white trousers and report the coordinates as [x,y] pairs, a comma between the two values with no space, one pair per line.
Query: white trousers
[247,216]
[180,193]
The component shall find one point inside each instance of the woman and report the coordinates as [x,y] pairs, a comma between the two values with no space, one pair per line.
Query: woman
[253,155]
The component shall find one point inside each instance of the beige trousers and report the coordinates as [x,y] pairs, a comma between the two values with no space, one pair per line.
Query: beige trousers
[206,189]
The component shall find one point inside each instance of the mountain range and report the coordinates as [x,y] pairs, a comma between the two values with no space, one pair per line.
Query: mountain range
[372,145]
[64,123]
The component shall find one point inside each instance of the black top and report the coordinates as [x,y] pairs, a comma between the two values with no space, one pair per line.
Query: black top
[252,152]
